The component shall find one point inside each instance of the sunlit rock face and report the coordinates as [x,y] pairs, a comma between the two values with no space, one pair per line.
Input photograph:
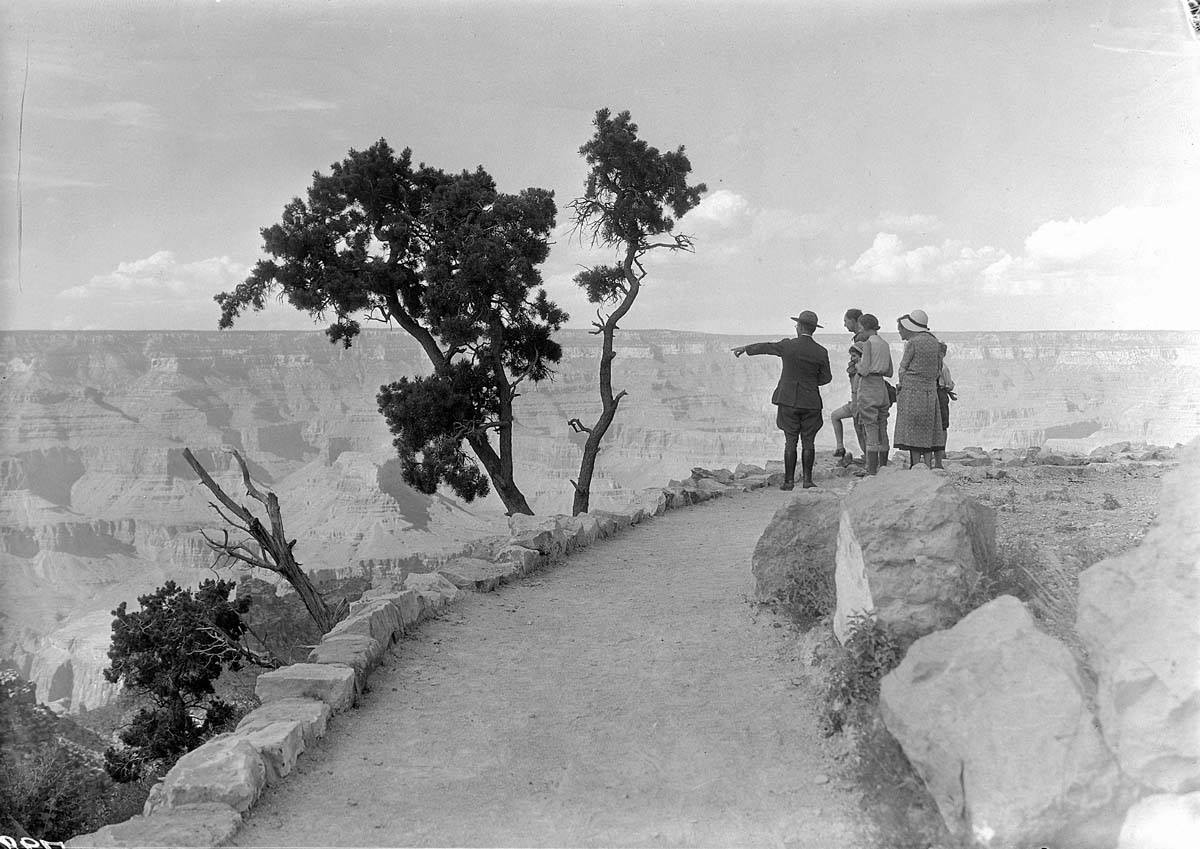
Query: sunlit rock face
[97,504]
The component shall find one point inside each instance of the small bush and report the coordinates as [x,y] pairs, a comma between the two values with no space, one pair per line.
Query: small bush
[871,651]
[809,596]
[171,651]
[51,795]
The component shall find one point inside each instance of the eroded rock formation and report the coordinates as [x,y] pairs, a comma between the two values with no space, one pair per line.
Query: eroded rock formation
[98,506]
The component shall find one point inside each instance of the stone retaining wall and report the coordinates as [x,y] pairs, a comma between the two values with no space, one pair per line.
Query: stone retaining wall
[201,801]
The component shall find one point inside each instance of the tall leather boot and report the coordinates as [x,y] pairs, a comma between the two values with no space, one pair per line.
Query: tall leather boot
[789,467]
[883,458]
[807,457]
[872,461]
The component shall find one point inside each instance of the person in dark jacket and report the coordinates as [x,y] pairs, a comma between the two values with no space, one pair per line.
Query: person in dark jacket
[798,398]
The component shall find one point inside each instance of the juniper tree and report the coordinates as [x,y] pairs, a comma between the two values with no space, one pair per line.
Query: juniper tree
[454,263]
[172,650]
[632,192]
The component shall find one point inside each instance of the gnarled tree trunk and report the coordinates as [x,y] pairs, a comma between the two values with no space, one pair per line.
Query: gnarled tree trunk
[274,549]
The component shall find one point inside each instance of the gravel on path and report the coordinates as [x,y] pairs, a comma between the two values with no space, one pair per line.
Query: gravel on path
[630,696]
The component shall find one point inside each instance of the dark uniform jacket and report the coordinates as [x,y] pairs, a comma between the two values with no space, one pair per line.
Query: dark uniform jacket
[805,367]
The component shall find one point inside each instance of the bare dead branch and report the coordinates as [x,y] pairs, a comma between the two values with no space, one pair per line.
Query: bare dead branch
[206,479]
[227,519]
[275,550]
[251,489]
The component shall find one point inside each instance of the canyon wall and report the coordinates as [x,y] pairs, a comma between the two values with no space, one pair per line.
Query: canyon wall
[97,504]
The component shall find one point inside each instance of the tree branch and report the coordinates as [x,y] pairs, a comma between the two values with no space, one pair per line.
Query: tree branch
[206,479]
[251,489]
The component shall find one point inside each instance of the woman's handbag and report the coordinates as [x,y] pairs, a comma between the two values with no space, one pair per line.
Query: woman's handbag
[891,390]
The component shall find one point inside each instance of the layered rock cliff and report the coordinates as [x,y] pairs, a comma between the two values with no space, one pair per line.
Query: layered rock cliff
[97,504]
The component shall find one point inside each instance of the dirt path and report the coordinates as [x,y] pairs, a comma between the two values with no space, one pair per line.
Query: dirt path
[628,697]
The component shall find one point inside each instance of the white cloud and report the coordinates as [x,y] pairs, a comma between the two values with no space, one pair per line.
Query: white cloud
[722,208]
[889,261]
[727,226]
[1129,266]
[161,291]
[1116,239]
[160,279]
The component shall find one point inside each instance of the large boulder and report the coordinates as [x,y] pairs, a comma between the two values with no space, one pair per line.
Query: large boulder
[311,714]
[653,501]
[473,574]
[584,528]
[355,651]
[333,685]
[1139,616]
[992,715]
[1163,821]
[226,769]
[433,591]
[910,546]
[541,533]
[279,744]
[376,618]
[523,560]
[200,824]
[406,602]
[798,550]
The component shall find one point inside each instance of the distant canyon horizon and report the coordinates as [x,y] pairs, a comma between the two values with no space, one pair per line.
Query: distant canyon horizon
[98,506]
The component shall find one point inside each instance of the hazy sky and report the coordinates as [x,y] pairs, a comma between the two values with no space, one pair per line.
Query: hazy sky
[1002,165]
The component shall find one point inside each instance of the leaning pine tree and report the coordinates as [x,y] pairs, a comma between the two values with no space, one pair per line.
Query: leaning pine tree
[454,263]
[630,188]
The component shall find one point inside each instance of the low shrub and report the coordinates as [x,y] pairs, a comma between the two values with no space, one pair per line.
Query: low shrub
[54,796]
[902,811]
[809,596]
[171,651]
[871,651]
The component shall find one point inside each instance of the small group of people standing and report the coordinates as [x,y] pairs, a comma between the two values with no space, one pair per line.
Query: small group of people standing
[921,397]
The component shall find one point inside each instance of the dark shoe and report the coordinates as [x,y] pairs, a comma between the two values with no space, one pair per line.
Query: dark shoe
[787,486]
[841,452]
[808,485]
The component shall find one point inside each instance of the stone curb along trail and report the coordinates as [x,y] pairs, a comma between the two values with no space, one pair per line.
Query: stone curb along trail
[202,800]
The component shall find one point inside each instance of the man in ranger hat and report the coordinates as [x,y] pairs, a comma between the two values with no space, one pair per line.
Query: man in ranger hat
[805,368]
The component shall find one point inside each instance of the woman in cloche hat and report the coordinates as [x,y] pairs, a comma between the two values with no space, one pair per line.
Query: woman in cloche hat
[918,419]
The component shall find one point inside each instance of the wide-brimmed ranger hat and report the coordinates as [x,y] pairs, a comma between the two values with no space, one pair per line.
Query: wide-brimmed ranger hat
[807,317]
[915,321]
